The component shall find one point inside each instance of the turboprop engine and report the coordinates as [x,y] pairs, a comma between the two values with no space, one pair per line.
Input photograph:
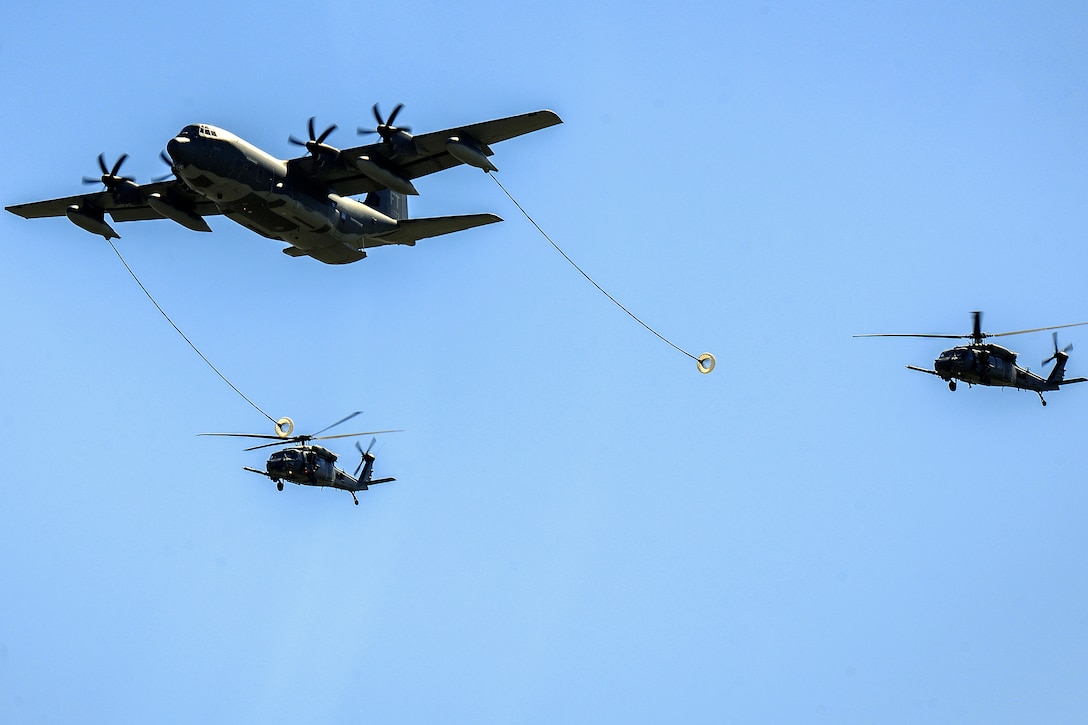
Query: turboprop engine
[91,220]
[470,152]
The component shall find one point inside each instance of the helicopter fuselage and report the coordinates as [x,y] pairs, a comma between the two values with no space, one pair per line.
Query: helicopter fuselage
[989,364]
[310,466]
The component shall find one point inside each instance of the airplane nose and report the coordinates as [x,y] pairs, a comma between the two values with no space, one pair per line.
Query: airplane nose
[178,148]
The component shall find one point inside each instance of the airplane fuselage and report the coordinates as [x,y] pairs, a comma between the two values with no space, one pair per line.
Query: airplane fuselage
[257,190]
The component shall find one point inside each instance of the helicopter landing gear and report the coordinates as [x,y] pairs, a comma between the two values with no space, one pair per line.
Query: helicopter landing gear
[952,385]
[1042,399]
[353,496]
[279,485]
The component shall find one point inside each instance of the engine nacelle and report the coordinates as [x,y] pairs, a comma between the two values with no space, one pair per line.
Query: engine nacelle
[469,152]
[184,217]
[93,221]
[385,177]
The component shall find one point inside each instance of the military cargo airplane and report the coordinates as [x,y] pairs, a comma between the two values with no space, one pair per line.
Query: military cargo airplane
[304,201]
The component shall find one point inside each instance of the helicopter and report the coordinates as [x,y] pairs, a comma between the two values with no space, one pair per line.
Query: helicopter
[306,464]
[984,363]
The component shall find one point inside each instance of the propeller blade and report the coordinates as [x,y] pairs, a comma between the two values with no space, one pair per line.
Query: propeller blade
[325,134]
[295,141]
[393,115]
[102,164]
[117,166]
[169,162]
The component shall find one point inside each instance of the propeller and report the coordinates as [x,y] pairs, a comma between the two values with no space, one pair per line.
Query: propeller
[170,163]
[1064,351]
[316,145]
[385,128]
[109,177]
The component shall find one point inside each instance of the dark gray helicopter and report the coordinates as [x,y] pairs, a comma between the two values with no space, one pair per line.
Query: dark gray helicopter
[312,465]
[984,363]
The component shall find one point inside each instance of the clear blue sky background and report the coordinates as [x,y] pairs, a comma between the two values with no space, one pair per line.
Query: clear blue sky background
[584,528]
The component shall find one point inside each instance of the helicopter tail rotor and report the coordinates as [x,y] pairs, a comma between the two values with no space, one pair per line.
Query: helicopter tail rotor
[1062,353]
[366,459]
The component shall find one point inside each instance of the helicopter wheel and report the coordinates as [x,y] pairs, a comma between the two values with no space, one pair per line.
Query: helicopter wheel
[952,385]
[357,500]
[279,485]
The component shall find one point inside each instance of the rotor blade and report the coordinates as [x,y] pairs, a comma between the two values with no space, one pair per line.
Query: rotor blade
[349,435]
[1034,329]
[281,442]
[244,435]
[976,326]
[342,420]
[905,334]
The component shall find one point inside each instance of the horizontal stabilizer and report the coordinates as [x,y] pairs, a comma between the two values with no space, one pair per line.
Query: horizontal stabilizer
[923,370]
[380,480]
[409,231]
[1074,380]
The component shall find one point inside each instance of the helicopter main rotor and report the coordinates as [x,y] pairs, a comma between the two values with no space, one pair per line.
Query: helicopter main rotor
[976,335]
[281,440]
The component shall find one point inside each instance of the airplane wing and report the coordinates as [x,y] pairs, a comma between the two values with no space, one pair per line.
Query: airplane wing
[426,154]
[126,205]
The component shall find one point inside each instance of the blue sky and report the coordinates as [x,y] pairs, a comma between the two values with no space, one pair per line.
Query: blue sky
[584,528]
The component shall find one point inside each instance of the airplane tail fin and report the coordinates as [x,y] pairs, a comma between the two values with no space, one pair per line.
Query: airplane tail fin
[391,203]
